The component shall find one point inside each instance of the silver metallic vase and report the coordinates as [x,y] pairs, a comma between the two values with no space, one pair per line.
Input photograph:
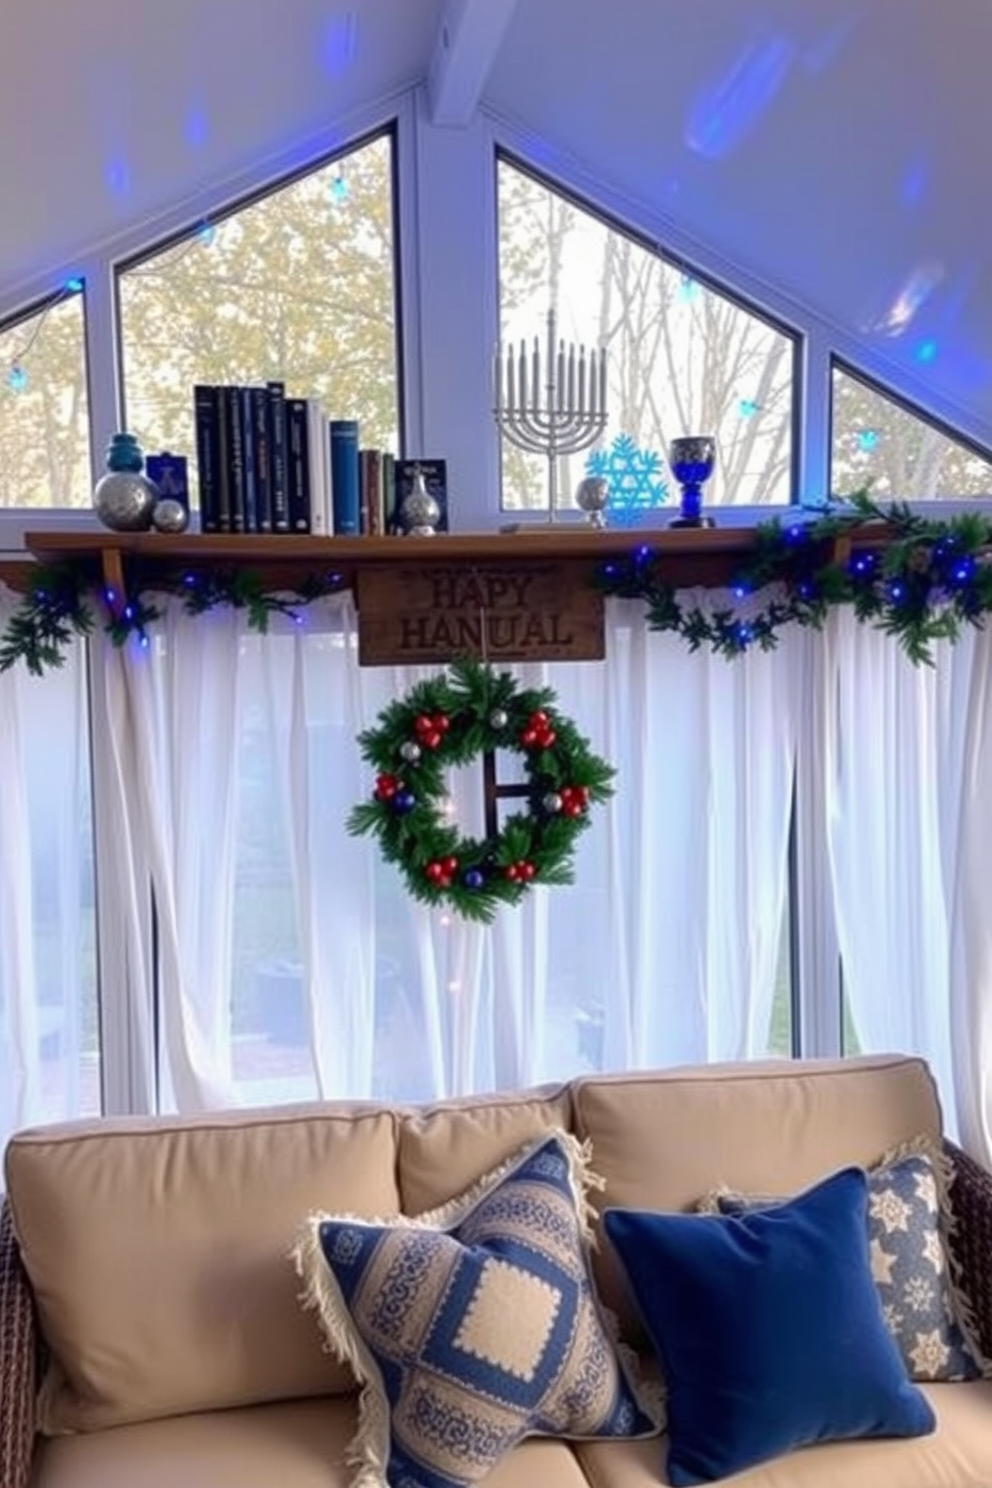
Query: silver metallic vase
[124,499]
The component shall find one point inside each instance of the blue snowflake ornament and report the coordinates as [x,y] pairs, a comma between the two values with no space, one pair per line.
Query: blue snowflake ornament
[634,478]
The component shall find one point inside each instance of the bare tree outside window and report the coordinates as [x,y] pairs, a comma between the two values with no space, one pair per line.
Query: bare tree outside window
[684,359]
[901,453]
[44,412]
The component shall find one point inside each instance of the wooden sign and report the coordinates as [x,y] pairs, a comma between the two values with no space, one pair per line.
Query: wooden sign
[438,612]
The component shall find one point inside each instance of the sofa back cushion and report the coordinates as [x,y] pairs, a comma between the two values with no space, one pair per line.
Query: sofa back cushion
[446,1147]
[159,1254]
[662,1140]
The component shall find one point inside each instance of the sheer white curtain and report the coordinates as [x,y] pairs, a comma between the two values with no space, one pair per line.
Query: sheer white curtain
[909,787]
[49,1048]
[293,963]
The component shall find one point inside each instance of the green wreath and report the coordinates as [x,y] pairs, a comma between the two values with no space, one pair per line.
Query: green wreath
[448,720]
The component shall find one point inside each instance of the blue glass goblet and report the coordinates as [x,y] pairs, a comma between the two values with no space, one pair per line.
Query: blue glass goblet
[692,460]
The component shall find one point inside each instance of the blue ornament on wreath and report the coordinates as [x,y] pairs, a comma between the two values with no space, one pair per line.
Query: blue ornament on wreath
[635,480]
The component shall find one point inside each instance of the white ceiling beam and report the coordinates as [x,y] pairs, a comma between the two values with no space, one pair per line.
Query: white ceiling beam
[468,39]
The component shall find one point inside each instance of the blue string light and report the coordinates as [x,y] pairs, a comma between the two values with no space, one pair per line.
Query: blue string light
[868,440]
[17,379]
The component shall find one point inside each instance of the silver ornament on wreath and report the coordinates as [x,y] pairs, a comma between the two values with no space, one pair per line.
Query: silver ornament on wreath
[498,718]
[410,751]
[552,802]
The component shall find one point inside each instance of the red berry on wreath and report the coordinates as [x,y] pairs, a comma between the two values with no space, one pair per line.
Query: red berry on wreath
[431,740]
[547,738]
[539,719]
[528,738]
[441,722]
[450,865]
[423,723]
[526,871]
[512,872]
[386,787]
[434,872]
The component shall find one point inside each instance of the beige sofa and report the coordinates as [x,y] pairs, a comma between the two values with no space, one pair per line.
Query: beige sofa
[144,1271]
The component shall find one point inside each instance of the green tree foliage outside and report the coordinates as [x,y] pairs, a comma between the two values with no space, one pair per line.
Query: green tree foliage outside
[44,413]
[298,287]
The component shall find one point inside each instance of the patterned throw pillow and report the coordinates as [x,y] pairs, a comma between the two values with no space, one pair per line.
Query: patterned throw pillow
[908,1216]
[473,1326]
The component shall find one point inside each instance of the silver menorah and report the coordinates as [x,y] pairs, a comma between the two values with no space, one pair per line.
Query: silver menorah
[573,413]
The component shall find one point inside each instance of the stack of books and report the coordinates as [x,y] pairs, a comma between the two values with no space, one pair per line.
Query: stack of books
[272,464]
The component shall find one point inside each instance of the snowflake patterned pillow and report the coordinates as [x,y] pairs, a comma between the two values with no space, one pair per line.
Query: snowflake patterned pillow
[473,1326]
[909,1216]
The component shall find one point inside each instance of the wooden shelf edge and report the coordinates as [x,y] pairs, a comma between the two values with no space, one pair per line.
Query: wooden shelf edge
[566,542]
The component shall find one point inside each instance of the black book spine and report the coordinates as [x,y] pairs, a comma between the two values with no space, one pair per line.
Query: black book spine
[236,457]
[207,454]
[259,418]
[298,464]
[248,455]
[223,462]
[277,456]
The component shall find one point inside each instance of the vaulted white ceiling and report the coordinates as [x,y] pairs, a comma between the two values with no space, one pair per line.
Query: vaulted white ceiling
[831,149]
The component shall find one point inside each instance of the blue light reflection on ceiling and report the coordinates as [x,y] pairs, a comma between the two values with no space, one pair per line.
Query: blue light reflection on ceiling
[724,114]
[915,182]
[117,175]
[338,43]
[196,127]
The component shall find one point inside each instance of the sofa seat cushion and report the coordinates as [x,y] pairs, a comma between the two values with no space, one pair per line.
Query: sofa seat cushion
[292,1444]
[957,1455]
[158,1250]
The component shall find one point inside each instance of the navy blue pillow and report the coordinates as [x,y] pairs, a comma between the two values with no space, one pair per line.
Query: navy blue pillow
[769,1329]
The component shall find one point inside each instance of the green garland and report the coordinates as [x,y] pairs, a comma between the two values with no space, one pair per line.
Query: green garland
[919,585]
[923,580]
[446,721]
[61,602]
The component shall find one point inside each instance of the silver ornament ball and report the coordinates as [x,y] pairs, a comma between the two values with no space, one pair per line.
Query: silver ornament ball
[498,718]
[170,515]
[592,496]
[124,500]
[410,751]
[552,802]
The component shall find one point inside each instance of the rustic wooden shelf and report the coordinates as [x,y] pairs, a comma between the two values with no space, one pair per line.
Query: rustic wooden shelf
[527,593]
[566,541]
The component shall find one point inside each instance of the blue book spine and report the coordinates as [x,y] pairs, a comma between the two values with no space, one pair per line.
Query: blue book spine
[345,482]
